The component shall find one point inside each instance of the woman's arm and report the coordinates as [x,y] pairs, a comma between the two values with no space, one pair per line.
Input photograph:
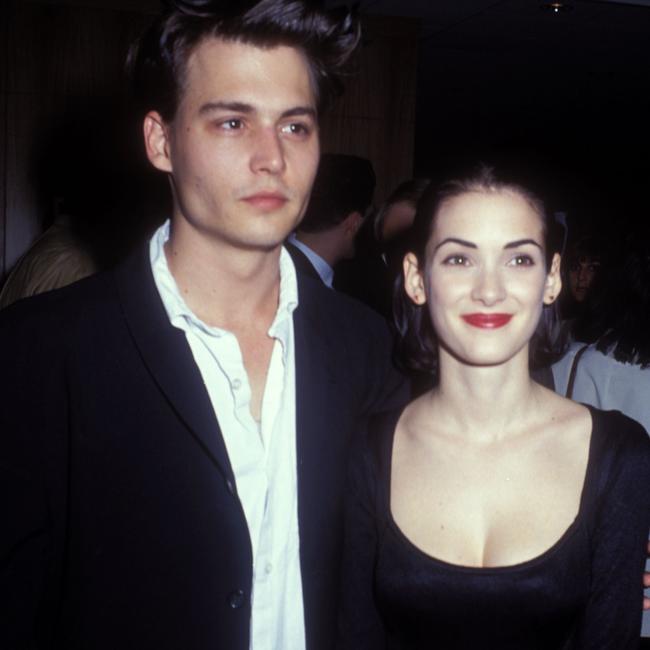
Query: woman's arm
[612,618]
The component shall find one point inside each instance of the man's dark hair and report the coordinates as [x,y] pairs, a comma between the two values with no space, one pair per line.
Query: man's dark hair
[157,62]
[343,184]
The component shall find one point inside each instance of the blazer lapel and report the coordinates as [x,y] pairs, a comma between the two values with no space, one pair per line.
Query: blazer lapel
[316,380]
[167,355]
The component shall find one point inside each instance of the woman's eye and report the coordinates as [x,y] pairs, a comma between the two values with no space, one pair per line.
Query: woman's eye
[456,260]
[522,260]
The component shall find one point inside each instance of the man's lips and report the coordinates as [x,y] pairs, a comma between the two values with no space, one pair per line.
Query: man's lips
[487,321]
[266,201]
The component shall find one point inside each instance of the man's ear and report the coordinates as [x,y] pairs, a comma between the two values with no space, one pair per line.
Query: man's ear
[413,280]
[553,284]
[352,223]
[156,141]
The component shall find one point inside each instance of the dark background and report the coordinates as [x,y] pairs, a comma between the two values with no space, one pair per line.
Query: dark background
[571,89]
[436,79]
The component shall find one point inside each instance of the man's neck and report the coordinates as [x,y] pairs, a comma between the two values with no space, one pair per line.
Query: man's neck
[225,287]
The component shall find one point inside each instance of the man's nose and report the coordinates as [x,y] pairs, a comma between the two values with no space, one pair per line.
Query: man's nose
[268,152]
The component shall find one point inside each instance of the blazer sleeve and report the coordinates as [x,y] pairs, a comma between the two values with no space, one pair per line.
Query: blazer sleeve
[360,625]
[32,422]
[387,389]
[612,617]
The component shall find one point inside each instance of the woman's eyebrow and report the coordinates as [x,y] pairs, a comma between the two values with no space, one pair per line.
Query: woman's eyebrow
[522,242]
[455,240]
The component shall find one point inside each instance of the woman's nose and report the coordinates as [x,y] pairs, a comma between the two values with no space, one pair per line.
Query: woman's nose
[488,288]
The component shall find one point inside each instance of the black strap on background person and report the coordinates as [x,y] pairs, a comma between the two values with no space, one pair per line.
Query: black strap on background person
[574,369]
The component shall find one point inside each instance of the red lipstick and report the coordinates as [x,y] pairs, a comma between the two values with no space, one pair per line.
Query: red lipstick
[487,321]
[266,201]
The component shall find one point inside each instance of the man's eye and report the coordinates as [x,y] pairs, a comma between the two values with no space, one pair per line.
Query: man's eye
[296,128]
[232,124]
[522,260]
[456,260]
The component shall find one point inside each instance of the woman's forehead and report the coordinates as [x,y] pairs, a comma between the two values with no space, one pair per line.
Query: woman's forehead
[488,214]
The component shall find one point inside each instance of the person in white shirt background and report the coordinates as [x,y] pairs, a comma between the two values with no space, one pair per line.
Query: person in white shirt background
[612,372]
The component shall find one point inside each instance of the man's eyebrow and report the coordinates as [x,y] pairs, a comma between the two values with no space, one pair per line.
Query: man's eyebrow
[455,240]
[247,109]
[300,111]
[522,242]
[237,107]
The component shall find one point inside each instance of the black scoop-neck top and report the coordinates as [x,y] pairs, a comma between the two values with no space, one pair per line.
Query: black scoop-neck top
[583,592]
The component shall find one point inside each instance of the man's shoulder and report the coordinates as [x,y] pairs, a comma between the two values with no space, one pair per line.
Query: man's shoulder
[302,262]
[336,307]
[96,294]
[61,303]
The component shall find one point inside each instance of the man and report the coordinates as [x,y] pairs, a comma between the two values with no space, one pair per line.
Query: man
[341,196]
[175,433]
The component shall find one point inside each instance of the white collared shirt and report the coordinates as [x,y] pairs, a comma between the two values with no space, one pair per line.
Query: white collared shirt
[262,454]
[324,270]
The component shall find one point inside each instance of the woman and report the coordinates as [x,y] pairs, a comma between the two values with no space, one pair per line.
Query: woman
[614,371]
[491,512]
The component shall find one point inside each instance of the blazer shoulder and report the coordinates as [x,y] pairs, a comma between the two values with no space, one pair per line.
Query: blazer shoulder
[56,314]
[315,297]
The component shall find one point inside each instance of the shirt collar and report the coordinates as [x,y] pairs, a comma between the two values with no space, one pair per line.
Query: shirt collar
[181,316]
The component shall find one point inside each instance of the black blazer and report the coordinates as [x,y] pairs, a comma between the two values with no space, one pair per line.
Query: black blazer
[121,522]
[302,262]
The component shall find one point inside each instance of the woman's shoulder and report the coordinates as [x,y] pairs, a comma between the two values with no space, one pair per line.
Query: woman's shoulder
[617,433]
[620,458]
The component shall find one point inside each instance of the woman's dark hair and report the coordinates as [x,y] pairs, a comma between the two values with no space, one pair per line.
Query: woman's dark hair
[618,317]
[157,61]
[417,344]
[585,248]
[409,192]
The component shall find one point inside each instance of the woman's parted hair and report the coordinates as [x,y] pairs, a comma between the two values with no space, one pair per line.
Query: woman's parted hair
[417,344]
[157,61]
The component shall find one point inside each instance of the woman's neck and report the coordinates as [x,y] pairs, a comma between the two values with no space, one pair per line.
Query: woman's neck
[485,402]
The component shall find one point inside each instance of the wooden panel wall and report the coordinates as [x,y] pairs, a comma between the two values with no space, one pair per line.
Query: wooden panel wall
[64,58]
[5,19]
[375,118]
[62,61]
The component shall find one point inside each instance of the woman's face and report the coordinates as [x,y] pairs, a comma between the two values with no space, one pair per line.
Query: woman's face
[485,279]
[582,274]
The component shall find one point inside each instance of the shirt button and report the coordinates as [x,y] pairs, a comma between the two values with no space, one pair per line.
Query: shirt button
[236,384]
[268,568]
[236,599]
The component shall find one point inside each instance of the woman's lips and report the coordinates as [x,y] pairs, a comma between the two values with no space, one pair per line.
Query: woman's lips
[487,321]
[266,201]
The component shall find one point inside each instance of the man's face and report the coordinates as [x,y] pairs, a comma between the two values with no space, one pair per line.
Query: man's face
[243,148]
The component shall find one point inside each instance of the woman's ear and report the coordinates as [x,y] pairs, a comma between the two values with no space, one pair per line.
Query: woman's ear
[413,280]
[553,284]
